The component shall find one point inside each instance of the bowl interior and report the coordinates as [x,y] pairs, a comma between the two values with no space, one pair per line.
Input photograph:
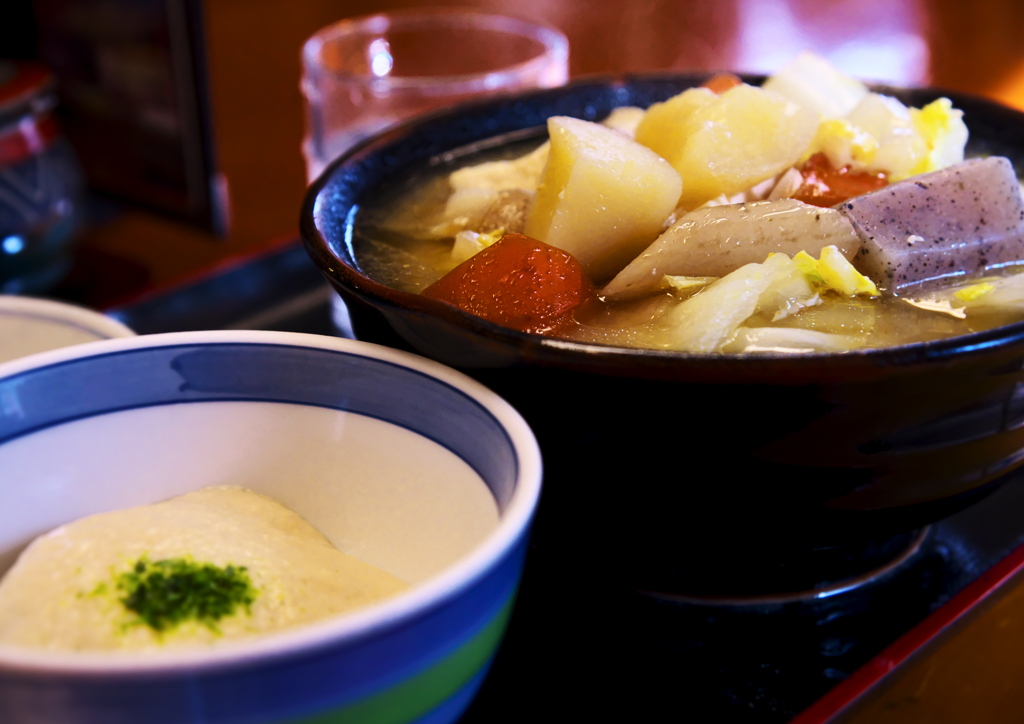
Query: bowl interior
[378,491]
[396,467]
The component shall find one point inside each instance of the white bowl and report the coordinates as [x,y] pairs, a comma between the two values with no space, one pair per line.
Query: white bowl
[29,325]
[397,460]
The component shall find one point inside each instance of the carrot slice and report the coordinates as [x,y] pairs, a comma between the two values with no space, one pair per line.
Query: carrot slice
[825,185]
[720,83]
[518,282]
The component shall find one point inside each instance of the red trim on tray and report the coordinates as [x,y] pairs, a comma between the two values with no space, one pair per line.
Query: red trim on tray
[860,682]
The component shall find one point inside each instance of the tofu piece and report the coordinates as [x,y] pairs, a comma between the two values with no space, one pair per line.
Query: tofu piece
[62,595]
[960,220]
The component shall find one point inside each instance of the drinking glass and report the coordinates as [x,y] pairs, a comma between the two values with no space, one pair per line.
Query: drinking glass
[363,74]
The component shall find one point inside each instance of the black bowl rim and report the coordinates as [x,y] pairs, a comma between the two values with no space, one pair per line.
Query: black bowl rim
[535,349]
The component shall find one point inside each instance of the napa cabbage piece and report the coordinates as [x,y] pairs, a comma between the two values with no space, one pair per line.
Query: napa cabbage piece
[707,321]
[883,135]
[485,189]
[684,284]
[835,272]
[732,314]
[869,131]
[989,295]
[812,82]
[789,292]
[944,131]
[900,148]
[717,240]
[469,243]
[844,144]
[790,340]
[518,173]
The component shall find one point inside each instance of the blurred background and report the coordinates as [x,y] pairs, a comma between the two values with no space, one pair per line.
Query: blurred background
[187,118]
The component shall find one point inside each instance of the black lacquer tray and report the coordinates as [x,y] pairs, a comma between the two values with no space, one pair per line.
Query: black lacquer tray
[581,645]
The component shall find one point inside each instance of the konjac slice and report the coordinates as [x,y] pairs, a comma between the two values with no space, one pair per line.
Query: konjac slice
[954,222]
[518,282]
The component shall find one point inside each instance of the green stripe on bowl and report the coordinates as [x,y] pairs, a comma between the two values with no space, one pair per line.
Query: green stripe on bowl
[423,692]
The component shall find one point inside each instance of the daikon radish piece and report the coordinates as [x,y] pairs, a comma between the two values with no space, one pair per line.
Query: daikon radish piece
[960,220]
[716,240]
[602,196]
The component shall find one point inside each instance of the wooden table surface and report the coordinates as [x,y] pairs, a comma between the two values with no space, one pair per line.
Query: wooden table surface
[253,49]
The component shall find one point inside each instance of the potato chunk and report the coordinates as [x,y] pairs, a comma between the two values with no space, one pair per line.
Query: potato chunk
[664,127]
[725,144]
[602,196]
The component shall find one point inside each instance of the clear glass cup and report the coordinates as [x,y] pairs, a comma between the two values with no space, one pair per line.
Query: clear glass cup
[363,74]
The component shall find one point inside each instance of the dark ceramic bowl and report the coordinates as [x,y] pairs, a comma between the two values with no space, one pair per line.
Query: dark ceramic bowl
[693,473]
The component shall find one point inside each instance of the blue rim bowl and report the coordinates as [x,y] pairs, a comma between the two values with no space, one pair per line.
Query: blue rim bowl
[419,656]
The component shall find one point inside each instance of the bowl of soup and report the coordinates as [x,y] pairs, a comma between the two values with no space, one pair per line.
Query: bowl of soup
[811,439]
[253,526]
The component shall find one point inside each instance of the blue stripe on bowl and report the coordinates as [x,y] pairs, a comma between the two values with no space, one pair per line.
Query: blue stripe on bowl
[336,679]
[43,397]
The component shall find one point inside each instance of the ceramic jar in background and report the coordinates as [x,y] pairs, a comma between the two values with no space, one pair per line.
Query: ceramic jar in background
[41,183]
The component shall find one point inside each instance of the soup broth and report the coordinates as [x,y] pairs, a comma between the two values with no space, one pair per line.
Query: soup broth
[394,249]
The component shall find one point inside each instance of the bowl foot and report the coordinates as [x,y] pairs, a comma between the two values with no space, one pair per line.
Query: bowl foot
[759,578]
